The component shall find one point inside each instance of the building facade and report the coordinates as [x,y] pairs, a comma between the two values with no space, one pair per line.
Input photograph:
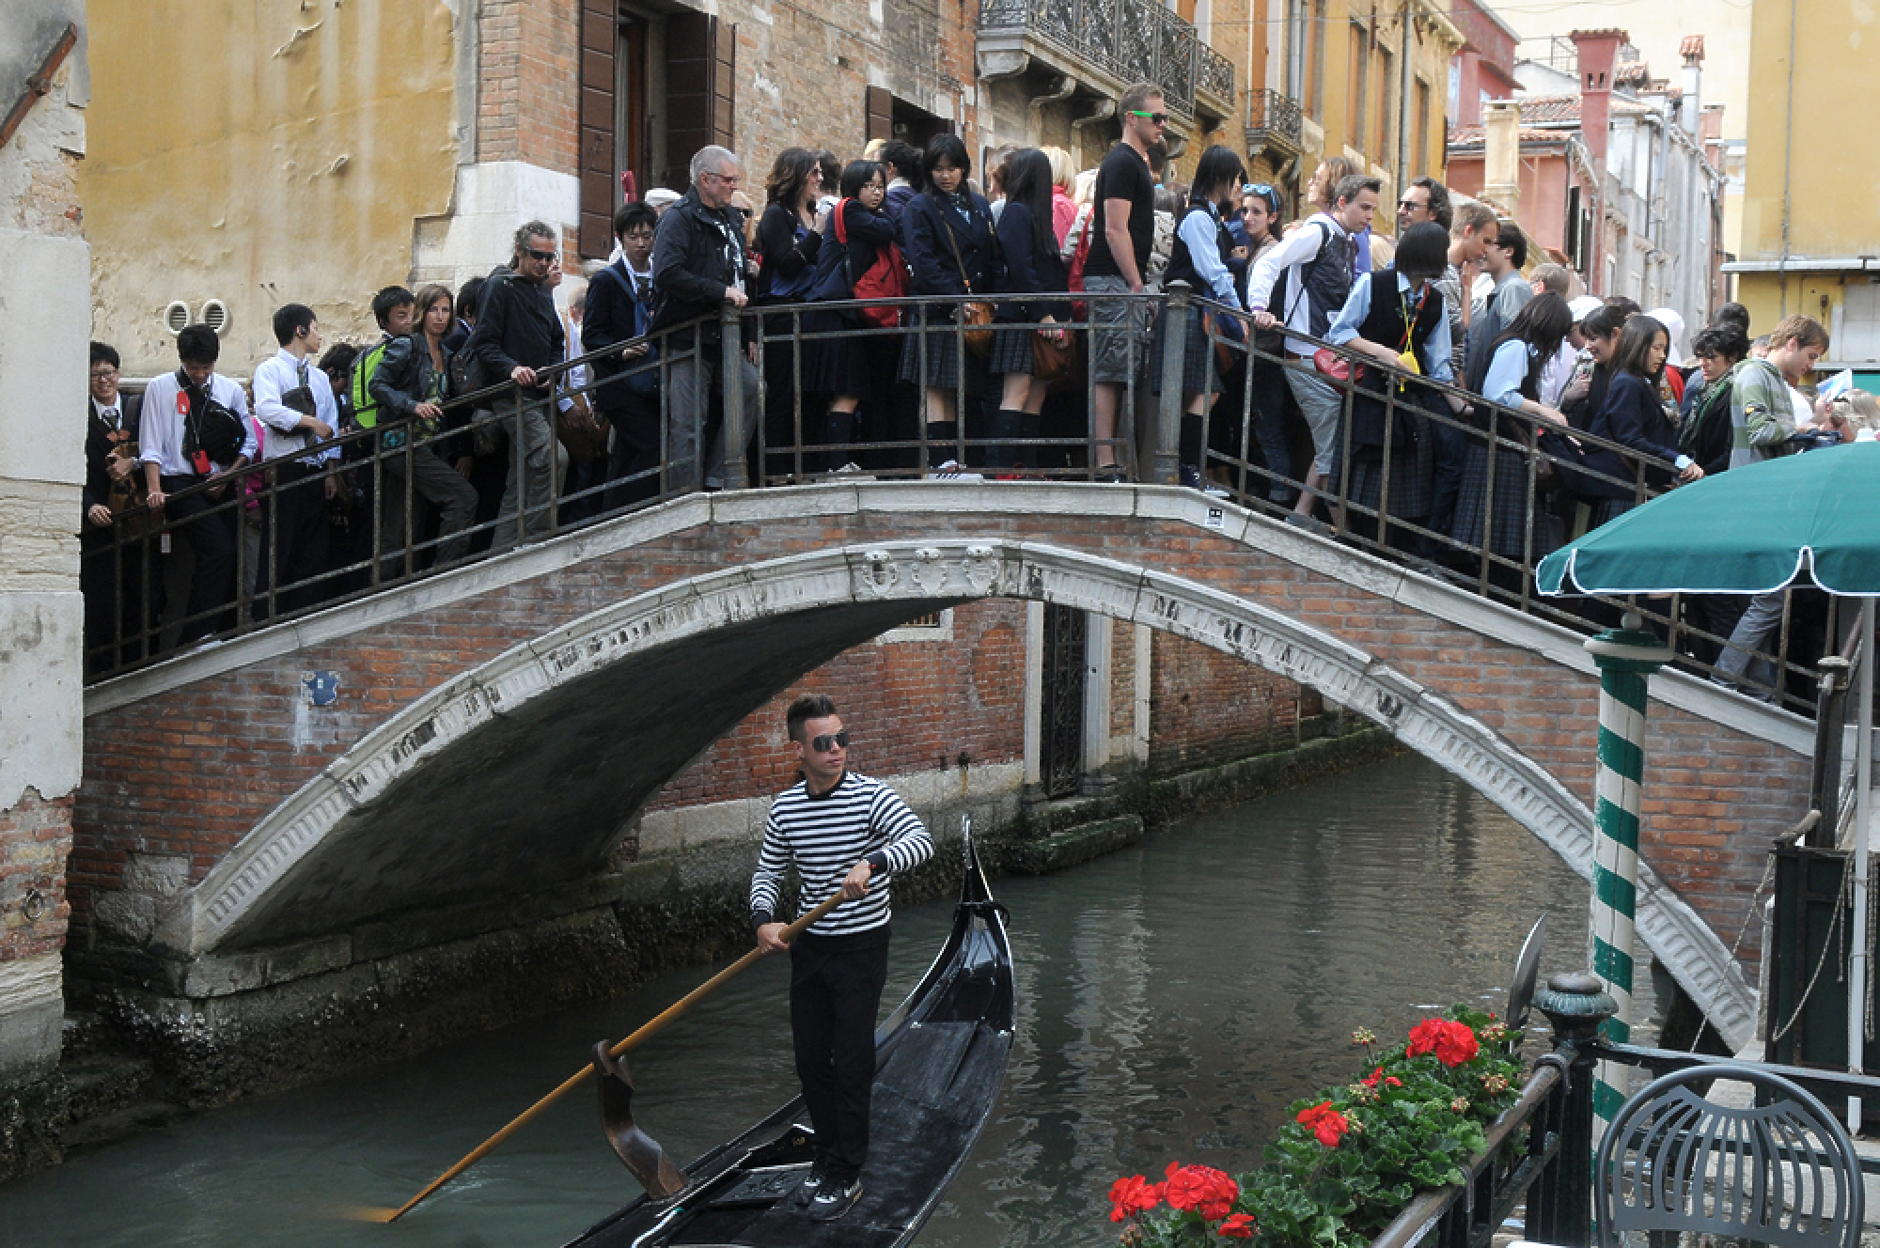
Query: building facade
[1809,240]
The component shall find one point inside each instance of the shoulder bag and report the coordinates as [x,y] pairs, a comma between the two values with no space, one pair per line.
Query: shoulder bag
[974,313]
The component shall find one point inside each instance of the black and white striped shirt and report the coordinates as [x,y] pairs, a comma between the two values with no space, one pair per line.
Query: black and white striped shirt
[825,836]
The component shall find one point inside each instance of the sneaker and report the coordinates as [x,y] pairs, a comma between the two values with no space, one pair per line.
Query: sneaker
[951,471]
[832,1200]
[1111,474]
[1192,478]
[1311,524]
[806,1190]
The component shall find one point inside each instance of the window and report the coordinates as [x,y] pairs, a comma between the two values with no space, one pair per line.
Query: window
[1315,105]
[1357,85]
[1420,152]
[1384,151]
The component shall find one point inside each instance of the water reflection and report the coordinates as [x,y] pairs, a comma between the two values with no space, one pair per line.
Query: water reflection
[1173,999]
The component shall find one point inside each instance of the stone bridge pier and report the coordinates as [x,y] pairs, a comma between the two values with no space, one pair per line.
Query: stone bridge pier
[256,863]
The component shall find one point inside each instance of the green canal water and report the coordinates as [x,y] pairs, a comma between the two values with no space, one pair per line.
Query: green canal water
[1174,998]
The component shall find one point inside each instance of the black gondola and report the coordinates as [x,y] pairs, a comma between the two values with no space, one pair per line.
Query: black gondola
[940,1060]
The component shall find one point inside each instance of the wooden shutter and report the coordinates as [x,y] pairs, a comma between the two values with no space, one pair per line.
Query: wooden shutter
[700,91]
[880,109]
[599,38]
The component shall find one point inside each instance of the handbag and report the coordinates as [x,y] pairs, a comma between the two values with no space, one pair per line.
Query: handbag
[1051,360]
[1223,332]
[212,434]
[1337,367]
[975,314]
[584,436]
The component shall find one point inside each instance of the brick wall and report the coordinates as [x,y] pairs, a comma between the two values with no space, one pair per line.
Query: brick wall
[35,837]
[529,83]
[1207,708]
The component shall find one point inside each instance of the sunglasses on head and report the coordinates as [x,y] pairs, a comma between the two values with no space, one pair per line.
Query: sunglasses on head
[1255,188]
[1160,119]
[829,741]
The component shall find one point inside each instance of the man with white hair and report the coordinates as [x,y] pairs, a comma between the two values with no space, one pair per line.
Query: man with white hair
[699,266]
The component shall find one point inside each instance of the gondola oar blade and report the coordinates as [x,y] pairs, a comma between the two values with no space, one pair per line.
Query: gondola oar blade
[638,1151]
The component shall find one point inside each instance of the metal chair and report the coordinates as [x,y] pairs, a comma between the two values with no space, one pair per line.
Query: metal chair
[1783,1173]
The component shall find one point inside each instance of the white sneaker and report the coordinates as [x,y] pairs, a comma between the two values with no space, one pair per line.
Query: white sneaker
[951,471]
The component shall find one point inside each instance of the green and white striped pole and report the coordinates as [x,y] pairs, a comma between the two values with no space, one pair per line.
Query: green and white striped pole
[1626,659]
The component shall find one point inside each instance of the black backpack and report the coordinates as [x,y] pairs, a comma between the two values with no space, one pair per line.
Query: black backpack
[211,429]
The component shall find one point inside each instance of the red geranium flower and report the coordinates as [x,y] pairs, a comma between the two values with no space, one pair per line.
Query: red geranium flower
[1325,1122]
[1452,1042]
[1371,1080]
[1207,1191]
[1132,1196]
[1240,1226]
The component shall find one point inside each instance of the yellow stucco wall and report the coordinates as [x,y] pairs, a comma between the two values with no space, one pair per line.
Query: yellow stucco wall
[260,153]
[1430,60]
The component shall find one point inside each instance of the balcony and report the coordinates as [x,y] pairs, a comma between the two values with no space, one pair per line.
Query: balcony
[1109,44]
[1276,121]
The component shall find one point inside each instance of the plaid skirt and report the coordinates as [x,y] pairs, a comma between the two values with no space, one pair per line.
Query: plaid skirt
[1516,514]
[1411,484]
[841,366]
[1011,350]
[1606,510]
[1198,375]
[943,359]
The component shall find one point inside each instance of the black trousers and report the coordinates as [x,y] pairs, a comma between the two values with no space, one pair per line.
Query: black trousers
[835,995]
[293,538]
[635,418]
[210,524]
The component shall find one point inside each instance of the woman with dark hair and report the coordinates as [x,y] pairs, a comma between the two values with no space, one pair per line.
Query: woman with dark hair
[789,236]
[946,231]
[1262,208]
[1633,417]
[1033,268]
[1198,256]
[1600,332]
[851,367]
[1705,434]
[1515,528]
[1396,317]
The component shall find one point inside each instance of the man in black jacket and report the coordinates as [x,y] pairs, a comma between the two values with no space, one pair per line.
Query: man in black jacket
[518,332]
[699,265]
[112,580]
[619,308]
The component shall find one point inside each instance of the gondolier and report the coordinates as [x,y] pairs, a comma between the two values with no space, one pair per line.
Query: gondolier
[840,830]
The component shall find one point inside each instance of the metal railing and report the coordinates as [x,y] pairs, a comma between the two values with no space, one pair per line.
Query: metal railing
[1274,119]
[1125,40]
[787,437]
[1538,1167]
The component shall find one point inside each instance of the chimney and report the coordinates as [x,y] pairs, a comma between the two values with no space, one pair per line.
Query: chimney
[1501,155]
[1692,50]
[1599,54]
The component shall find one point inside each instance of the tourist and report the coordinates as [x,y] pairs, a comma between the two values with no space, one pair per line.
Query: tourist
[1585,391]
[1766,409]
[700,266]
[1033,269]
[1199,259]
[1321,195]
[1472,230]
[838,830]
[846,365]
[1562,380]
[619,309]
[789,235]
[946,231]
[179,409]
[1734,314]
[111,580]
[1309,276]
[1117,265]
[294,400]
[1705,435]
[517,333]
[408,387]
[903,164]
[1557,278]
[1424,200]
[1513,526]
[1633,416]
[661,198]
[1394,315]
[1261,210]
[1063,182]
[1501,261]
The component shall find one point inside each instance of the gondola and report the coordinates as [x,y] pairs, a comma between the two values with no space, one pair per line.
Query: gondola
[940,1060]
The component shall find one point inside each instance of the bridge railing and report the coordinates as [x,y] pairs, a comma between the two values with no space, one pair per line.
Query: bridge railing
[1519,482]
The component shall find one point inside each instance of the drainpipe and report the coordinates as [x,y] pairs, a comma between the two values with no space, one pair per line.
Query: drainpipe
[1405,169]
[1788,167]
[1626,659]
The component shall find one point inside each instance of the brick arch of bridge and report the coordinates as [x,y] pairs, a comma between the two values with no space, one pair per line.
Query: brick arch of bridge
[494,745]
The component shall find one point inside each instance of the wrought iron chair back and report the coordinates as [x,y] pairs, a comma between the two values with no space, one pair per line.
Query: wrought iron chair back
[1781,1173]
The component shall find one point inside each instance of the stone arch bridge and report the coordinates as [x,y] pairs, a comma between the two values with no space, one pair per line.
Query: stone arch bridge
[515,714]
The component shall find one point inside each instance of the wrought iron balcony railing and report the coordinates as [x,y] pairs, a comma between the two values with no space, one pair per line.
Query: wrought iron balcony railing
[1117,42]
[1274,120]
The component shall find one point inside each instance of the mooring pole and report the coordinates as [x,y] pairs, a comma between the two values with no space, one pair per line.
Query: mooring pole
[1626,658]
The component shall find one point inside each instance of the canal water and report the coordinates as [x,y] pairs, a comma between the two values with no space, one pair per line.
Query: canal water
[1174,997]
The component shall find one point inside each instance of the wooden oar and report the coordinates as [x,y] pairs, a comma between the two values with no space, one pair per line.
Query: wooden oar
[672,1011]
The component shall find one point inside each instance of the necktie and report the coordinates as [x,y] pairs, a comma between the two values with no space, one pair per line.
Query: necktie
[110,415]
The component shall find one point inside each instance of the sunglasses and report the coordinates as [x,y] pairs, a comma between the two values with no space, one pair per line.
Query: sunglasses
[829,741]
[1160,119]
[1255,188]
[533,254]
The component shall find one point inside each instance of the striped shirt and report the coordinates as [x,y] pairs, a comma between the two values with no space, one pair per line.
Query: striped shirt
[824,837]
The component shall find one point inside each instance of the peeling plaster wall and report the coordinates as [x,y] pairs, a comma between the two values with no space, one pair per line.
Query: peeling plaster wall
[263,154]
[44,265]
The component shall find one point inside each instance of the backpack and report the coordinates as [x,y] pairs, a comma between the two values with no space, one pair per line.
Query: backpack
[212,434]
[365,407]
[1276,302]
[886,278]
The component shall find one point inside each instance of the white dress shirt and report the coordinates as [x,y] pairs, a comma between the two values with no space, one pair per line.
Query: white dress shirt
[274,377]
[160,433]
[1297,249]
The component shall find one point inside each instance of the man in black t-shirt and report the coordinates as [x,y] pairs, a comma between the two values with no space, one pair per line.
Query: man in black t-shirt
[1120,237]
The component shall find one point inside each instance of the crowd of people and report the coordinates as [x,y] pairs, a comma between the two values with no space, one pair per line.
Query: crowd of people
[1038,273]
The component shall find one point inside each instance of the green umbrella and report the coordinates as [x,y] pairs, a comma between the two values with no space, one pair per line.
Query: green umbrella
[1746,531]
[1753,530]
